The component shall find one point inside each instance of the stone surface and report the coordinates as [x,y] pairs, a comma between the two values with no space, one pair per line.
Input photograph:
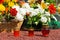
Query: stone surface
[54,35]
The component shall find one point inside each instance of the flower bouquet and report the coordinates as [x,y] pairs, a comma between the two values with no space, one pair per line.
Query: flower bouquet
[40,13]
[10,16]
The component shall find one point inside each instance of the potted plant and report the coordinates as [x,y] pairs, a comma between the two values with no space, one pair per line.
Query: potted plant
[10,16]
[49,11]
[40,13]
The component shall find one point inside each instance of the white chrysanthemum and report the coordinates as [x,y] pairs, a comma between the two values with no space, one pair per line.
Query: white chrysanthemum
[22,11]
[26,5]
[47,14]
[43,19]
[17,7]
[19,17]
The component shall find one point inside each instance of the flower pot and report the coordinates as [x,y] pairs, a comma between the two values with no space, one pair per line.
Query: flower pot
[45,30]
[31,32]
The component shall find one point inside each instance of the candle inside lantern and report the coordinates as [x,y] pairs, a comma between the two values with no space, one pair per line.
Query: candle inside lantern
[31,33]
[16,33]
[45,32]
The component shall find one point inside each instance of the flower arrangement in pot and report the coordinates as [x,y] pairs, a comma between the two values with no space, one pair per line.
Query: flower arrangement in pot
[10,15]
[32,16]
[47,16]
[44,13]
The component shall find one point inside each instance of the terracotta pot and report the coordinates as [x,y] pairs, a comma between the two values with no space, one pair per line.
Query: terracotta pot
[31,32]
[45,30]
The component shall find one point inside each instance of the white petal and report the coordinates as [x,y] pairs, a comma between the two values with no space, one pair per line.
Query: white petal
[26,5]
[19,17]
[47,13]
[22,11]
[54,17]
[36,10]
[33,13]
[43,19]
[41,10]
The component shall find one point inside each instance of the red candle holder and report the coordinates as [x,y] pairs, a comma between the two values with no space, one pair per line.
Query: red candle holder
[45,32]
[31,33]
[16,33]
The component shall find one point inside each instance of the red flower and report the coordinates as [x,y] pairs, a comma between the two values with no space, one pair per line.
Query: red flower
[1,1]
[52,9]
[13,12]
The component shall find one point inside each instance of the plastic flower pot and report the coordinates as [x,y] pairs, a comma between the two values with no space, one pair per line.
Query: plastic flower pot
[31,32]
[45,30]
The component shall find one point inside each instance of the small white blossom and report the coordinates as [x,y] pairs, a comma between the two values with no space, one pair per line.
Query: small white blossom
[43,19]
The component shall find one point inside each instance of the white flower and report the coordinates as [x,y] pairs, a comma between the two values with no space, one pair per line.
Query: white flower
[47,14]
[31,9]
[43,19]
[22,11]
[40,8]
[33,13]
[17,7]
[36,10]
[19,17]
[26,5]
